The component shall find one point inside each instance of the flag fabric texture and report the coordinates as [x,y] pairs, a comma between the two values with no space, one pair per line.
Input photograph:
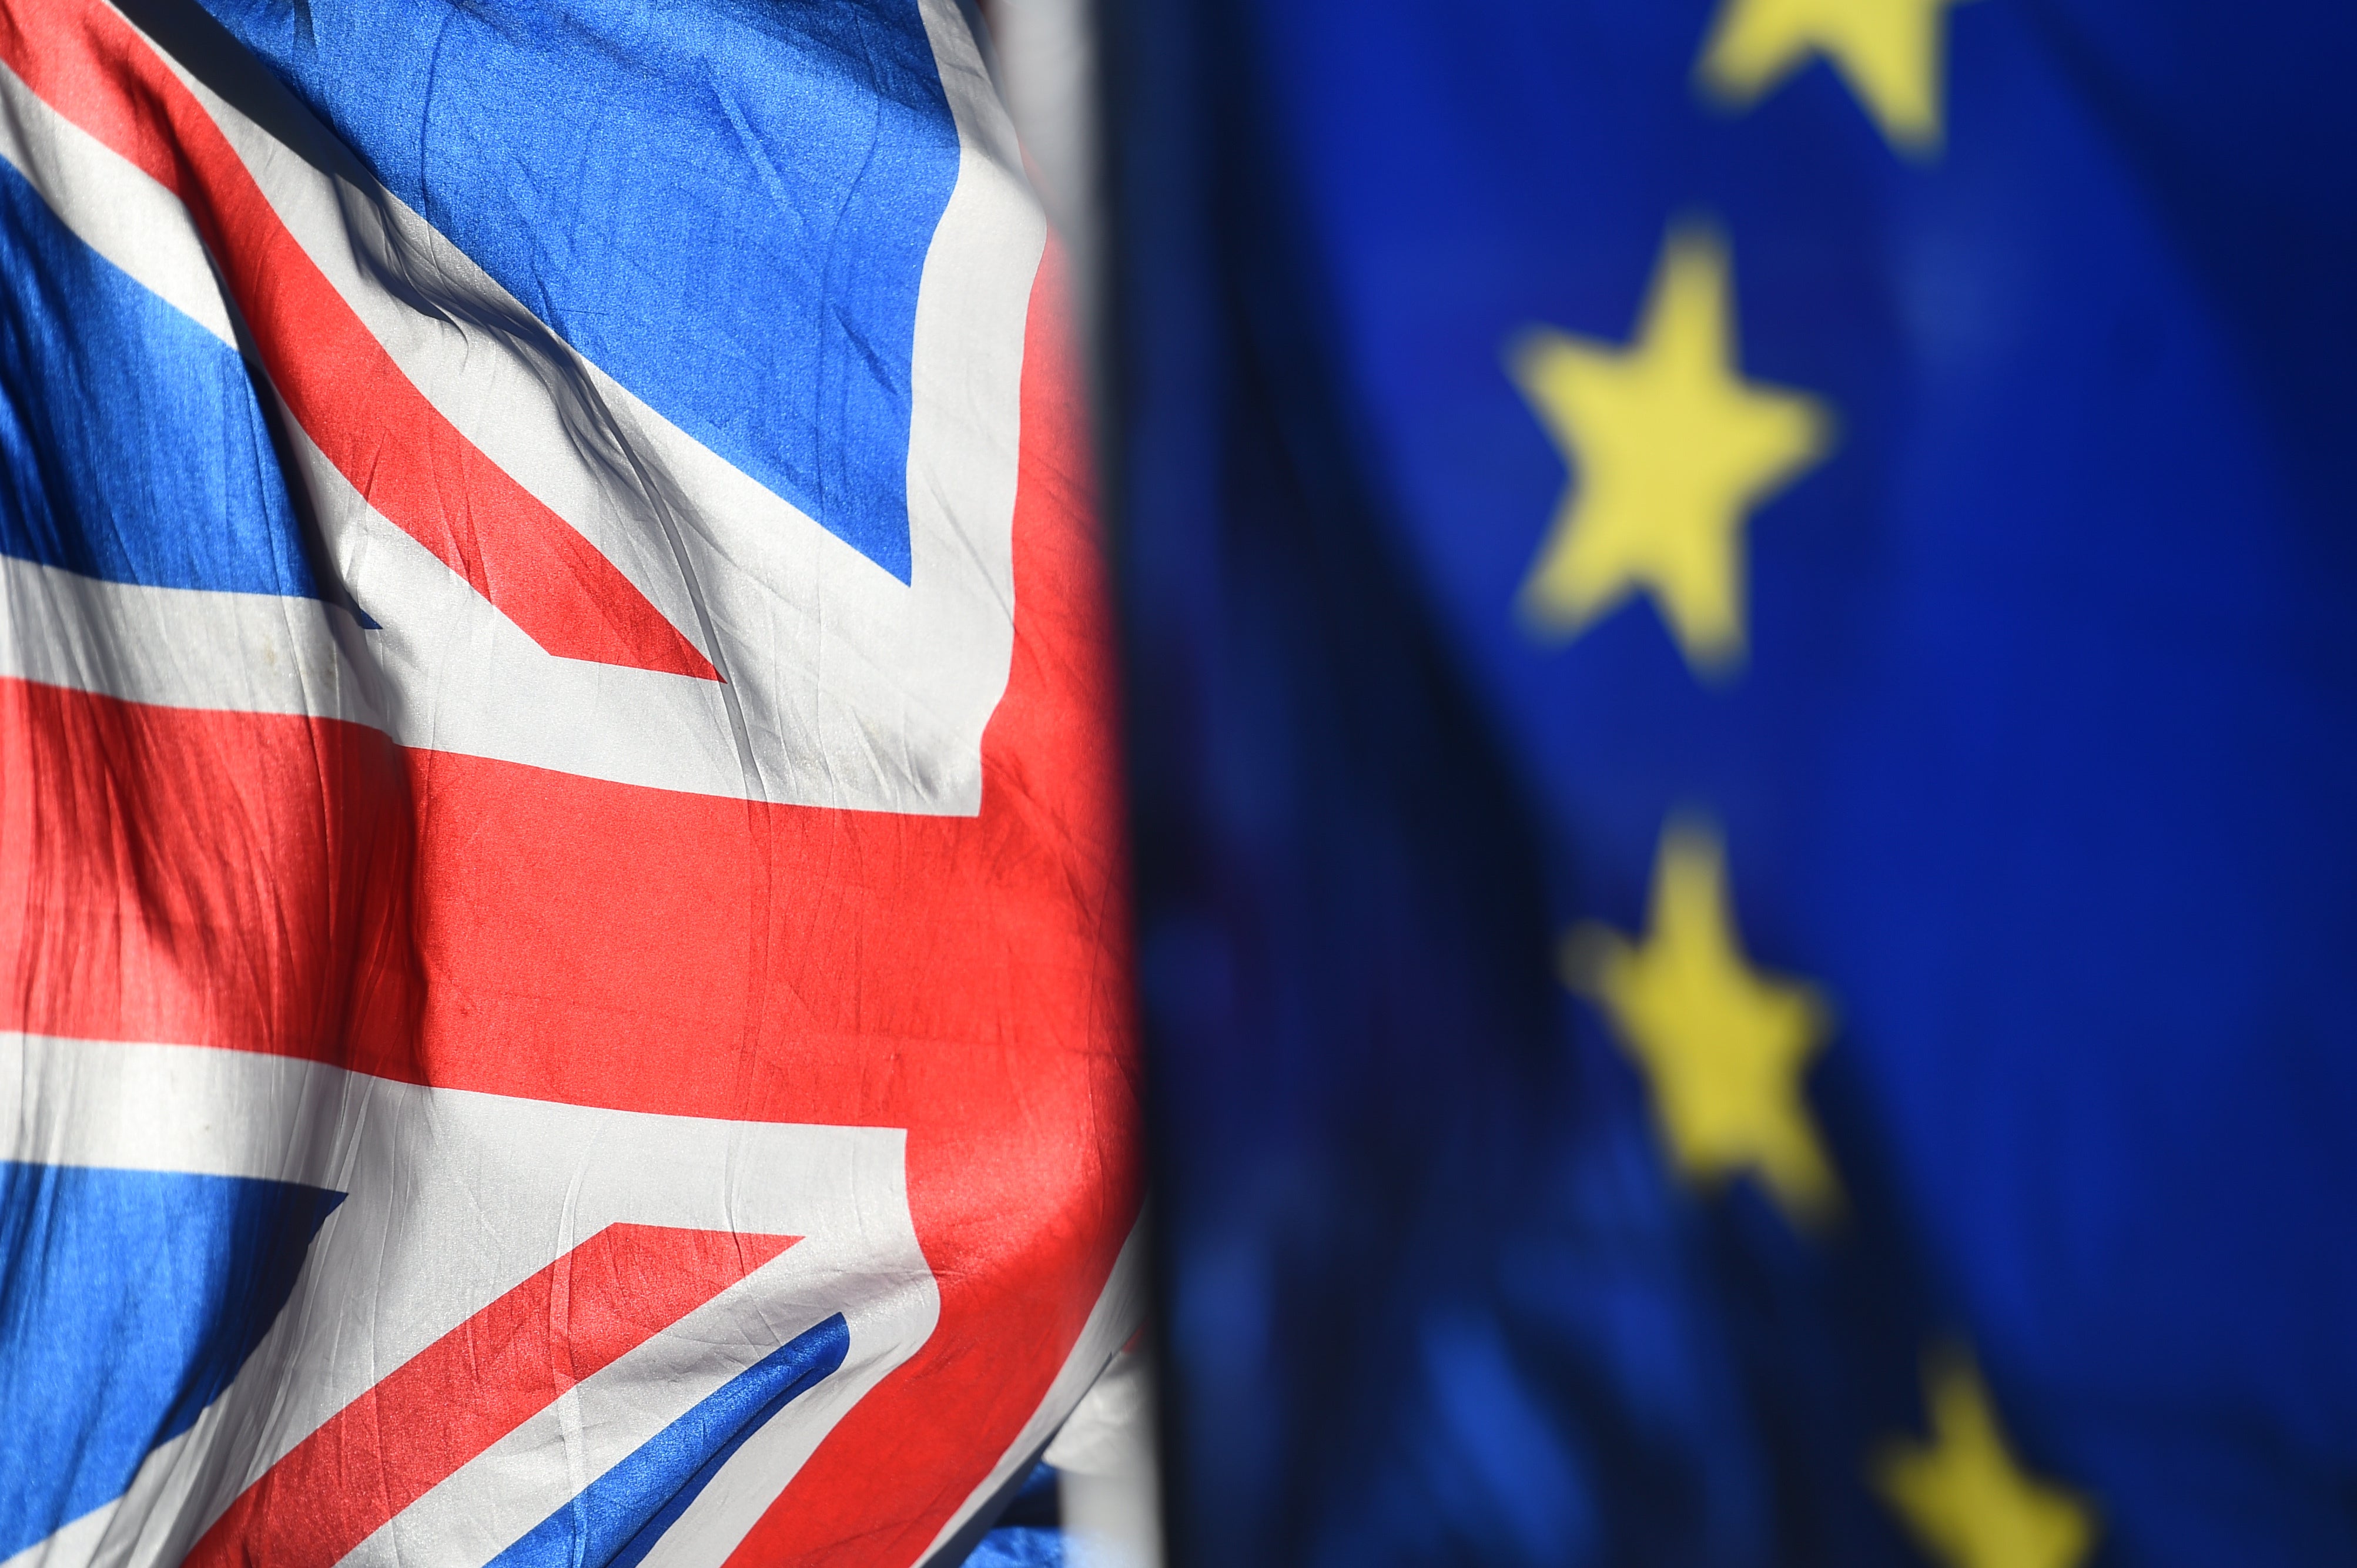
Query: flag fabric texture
[1744,618]
[560,879]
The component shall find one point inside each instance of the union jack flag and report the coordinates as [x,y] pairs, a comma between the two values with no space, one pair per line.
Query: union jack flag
[560,878]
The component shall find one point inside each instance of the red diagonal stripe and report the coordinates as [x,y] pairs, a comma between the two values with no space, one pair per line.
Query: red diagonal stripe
[472,1387]
[342,387]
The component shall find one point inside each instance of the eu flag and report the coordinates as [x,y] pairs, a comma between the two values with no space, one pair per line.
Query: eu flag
[1744,702]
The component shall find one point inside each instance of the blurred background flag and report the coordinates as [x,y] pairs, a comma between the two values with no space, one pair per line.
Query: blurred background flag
[1742,666]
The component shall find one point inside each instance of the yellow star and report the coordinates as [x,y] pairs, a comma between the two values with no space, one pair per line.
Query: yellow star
[1966,1502]
[1722,1045]
[1889,51]
[1670,449]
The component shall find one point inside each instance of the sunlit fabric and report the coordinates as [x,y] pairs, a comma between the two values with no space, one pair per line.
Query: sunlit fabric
[564,954]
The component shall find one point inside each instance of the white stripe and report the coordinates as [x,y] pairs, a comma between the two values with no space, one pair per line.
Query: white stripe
[453,1199]
[160,1107]
[181,648]
[114,205]
[845,687]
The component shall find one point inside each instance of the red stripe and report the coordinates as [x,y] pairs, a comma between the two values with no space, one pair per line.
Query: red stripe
[301,886]
[229,880]
[472,1387]
[380,433]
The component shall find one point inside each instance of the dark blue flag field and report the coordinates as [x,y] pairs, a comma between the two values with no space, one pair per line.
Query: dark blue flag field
[1743,638]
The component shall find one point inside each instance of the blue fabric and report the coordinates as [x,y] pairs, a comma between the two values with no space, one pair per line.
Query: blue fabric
[616,1521]
[1019,1546]
[725,206]
[2038,766]
[128,1300]
[132,446]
